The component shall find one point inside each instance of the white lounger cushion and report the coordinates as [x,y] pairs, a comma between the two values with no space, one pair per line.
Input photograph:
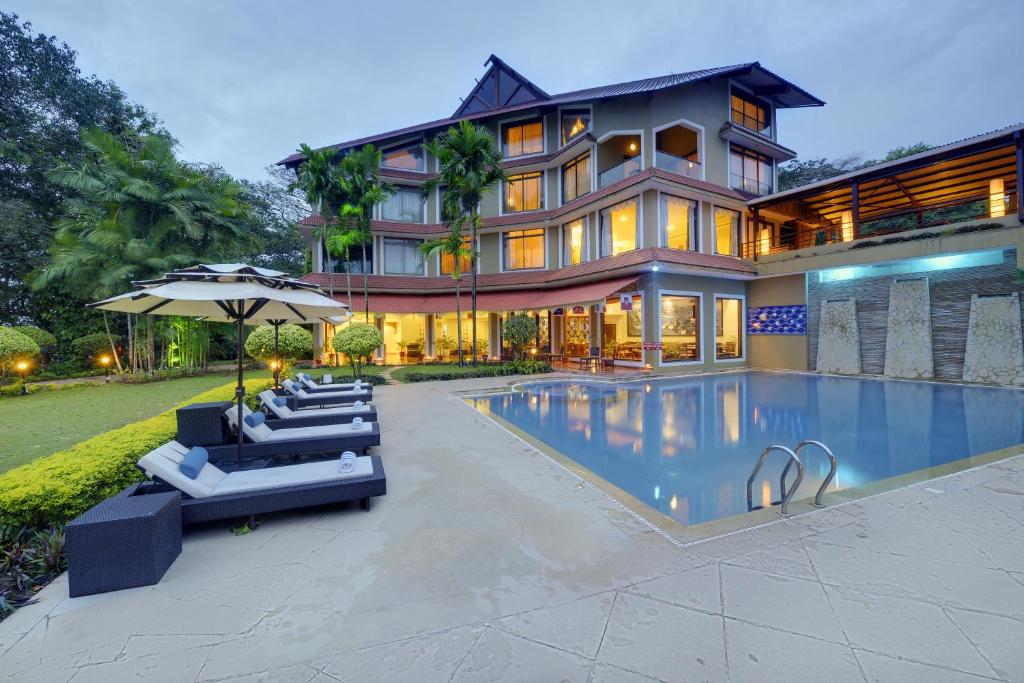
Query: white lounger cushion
[284,412]
[302,393]
[212,481]
[262,433]
[340,386]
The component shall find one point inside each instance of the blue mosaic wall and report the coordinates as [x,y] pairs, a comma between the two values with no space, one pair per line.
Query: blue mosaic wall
[777,320]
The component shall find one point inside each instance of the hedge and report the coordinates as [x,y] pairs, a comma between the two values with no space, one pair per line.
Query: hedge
[57,488]
[523,367]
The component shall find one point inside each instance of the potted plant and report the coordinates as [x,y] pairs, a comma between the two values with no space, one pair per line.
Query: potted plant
[443,345]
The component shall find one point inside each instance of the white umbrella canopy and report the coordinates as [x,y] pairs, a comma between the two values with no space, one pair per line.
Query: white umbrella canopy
[229,292]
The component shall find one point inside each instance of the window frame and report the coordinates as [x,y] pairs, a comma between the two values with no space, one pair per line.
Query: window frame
[701,336]
[695,228]
[737,237]
[467,241]
[422,168]
[576,163]
[749,98]
[404,189]
[637,237]
[506,236]
[590,123]
[742,298]
[521,177]
[384,260]
[563,241]
[519,122]
[759,158]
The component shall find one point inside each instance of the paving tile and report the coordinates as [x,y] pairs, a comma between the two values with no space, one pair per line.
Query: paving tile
[298,673]
[698,588]
[606,673]
[499,656]
[172,667]
[883,669]
[975,588]
[759,654]
[905,628]
[425,659]
[789,559]
[664,641]
[576,626]
[1000,640]
[865,570]
[786,603]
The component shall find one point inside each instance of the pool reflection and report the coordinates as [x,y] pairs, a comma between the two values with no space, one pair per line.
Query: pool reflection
[686,446]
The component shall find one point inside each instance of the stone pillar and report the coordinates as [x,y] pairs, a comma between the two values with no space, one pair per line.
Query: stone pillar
[428,335]
[493,336]
[994,347]
[557,333]
[596,324]
[838,338]
[908,337]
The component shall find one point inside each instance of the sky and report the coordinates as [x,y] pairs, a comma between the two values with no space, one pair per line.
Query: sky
[243,82]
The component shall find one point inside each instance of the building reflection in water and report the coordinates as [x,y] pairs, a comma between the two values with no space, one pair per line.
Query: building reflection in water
[686,446]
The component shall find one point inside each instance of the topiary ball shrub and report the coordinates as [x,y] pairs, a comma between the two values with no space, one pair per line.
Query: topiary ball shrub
[47,342]
[358,342]
[88,348]
[15,347]
[518,331]
[294,343]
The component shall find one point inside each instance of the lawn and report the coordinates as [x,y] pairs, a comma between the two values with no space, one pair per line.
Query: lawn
[48,421]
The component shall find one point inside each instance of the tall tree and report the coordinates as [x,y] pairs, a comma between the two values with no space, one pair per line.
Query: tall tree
[319,180]
[362,191]
[469,166]
[454,245]
[138,213]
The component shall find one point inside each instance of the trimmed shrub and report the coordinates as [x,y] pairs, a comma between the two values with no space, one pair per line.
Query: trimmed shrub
[294,343]
[519,367]
[518,331]
[57,488]
[90,346]
[15,347]
[47,342]
[358,341]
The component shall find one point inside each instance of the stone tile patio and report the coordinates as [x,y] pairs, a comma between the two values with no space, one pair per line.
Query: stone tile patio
[487,561]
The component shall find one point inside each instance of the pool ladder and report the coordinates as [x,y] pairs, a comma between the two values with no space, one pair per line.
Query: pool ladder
[794,457]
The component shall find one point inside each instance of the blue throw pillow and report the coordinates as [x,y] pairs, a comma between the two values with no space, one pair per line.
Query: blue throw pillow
[280,401]
[193,462]
[255,419]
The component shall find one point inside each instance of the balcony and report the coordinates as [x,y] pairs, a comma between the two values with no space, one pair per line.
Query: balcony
[954,185]
[618,158]
[618,172]
[678,165]
[677,150]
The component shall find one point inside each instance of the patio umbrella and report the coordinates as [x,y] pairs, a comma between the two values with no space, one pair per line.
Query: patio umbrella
[232,292]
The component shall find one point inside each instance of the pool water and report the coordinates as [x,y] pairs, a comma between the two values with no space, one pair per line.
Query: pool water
[686,446]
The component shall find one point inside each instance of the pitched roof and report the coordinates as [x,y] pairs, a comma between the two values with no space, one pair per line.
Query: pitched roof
[751,74]
[502,86]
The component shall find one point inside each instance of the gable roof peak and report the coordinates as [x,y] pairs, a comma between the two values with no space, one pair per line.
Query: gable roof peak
[501,86]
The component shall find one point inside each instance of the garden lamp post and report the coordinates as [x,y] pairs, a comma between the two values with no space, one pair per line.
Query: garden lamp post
[22,368]
[275,367]
[105,362]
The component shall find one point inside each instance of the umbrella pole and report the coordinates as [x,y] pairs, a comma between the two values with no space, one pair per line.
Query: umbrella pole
[277,357]
[240,390]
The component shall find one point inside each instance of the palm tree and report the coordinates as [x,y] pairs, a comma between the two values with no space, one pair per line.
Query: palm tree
[469,166]
[453,244]
[318,178]
[136,214]
[362,189]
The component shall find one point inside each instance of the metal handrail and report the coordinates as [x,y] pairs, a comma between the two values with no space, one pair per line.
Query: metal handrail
[833,467]
[786,497]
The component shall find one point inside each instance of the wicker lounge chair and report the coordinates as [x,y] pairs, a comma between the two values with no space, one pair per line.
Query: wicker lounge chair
[359,435]
[309,417]
[304,399]
[309,384]
[215,494]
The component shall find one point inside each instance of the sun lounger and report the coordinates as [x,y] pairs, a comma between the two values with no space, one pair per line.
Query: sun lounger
[216,494]
[309,384]
[303,398]
[352,436]
[308,417]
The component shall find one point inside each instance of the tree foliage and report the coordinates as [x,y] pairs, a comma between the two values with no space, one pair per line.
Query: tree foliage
[358,342]
[803,172]
[294,343]
[519,330]
[15,347]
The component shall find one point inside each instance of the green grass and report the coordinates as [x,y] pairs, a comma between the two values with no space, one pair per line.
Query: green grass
[49,421]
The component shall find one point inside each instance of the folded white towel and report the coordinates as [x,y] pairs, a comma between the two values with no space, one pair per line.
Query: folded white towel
[348,461]
[327,379]
[357,420]
[358,404]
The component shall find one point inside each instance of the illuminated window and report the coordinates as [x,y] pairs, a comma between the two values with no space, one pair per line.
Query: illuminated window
[749,170]
[751,114]
[574,242]
[520,139]
[405,205]
[727,231]
[448,261]
[618,228]
[728,328]
[575,122]
[680,328]
[524,192]
[402,256]
[407,157]
[524,249]
[678,223]
[576,178]
[622,328]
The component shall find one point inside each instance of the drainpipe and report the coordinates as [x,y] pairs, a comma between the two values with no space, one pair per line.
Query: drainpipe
[1019,139]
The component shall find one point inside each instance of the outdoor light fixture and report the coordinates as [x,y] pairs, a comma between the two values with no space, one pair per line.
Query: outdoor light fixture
[105,362]
[22,367]
[846,219]
[996,198]
[655,267]
[632,147]
[275,367]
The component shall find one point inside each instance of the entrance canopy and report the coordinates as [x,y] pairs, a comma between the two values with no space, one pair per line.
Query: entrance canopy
[515,300]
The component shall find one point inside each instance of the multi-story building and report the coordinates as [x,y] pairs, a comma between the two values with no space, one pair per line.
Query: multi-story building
[640,223]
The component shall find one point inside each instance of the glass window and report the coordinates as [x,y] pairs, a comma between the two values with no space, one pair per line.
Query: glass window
[524,192]
[749,170]
[405,205]
[728,328]
[678,223]
[574,242]
[750,114]
[576,178]
[680,328]
[520,139]
[402,256]
[618,228]
[727,231]
[448,261]
[622,329]
[407,157]
[524,249]
[575,122]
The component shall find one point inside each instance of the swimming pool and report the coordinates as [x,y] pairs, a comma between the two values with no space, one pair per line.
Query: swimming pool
[685,446]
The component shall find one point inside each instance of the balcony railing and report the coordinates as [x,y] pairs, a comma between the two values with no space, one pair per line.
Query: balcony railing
[738,182]
[620,172]
[677,165]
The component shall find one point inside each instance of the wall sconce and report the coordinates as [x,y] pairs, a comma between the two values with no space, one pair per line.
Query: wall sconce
[766,241]
[846,220]
[996,198]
